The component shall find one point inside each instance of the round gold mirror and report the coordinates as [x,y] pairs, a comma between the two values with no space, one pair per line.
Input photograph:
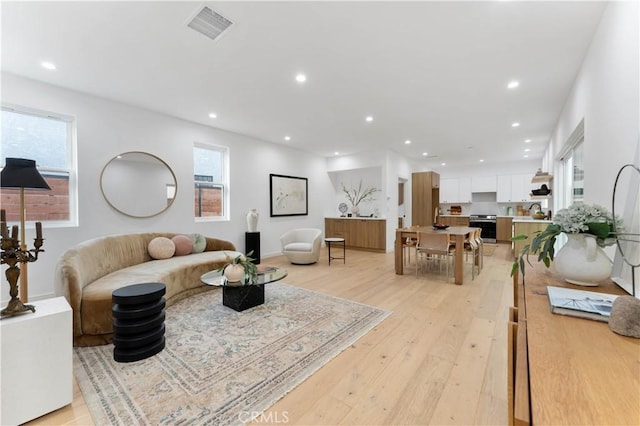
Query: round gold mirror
[138,184]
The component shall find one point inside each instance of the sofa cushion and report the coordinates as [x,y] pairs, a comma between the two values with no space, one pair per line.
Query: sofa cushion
[183,244]
[298,247]
[161,248]
[199,243]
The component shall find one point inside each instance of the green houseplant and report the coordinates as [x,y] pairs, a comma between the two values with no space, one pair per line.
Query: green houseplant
[591,220]
[238,268]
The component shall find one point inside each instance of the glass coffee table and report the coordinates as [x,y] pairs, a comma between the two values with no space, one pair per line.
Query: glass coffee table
[243,295]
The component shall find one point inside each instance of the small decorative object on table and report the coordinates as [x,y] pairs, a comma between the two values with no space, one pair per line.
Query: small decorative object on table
[240,271]
[440,226]
[581,261]
[356,196]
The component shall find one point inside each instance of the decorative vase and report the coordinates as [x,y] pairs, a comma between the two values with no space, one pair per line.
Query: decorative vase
[355,210]
[234,273]
[580,261]
[252,220]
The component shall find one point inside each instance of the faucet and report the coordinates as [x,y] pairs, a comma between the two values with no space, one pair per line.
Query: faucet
[539,209]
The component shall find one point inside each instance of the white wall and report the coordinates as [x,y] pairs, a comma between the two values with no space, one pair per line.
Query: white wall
[106,128]
[606,94]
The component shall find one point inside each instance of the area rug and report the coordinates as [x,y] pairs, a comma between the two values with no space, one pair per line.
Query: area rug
[219,366]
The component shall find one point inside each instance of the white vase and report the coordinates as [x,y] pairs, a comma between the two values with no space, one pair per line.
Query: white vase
[355,210]
[234,273]
[252,220]
[580,261]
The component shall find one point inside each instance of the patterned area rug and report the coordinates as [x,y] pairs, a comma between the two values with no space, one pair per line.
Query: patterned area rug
[220,366]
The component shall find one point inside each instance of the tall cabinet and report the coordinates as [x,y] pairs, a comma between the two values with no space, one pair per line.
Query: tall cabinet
[425,197]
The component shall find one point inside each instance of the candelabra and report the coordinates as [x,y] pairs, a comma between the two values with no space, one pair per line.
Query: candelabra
[12,254]
[21,174]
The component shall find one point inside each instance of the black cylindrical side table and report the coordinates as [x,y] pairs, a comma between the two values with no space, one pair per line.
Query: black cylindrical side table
[138,321]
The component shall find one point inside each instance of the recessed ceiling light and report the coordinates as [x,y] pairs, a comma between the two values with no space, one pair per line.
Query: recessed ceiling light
[482,161]
[443,164]
[424,154]
[527,150]
[513,84]
[287,138]
[213,115]
[525,156]
[336,153]
[48,65]
[369,118]
[301,78]
[527,140]
[407,142]
[516,124]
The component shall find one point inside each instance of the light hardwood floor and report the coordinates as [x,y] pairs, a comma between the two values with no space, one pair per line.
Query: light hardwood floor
[439,358]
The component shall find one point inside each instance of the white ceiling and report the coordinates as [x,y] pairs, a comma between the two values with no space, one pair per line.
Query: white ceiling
[431,72]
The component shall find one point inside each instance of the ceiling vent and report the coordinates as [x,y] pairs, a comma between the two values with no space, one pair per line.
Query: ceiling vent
[210,23]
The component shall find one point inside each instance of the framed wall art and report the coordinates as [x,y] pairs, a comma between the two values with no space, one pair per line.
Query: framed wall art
[288,195]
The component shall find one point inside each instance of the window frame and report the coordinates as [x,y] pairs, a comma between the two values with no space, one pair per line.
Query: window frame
[72,162]
[225,184]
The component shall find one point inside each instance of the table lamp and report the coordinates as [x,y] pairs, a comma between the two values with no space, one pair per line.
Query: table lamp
[19,173]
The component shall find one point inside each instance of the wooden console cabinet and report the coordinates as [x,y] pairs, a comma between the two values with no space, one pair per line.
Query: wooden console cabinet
[565,370]
[358,233]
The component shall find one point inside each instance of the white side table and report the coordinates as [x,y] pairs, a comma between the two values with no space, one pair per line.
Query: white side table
[36,361]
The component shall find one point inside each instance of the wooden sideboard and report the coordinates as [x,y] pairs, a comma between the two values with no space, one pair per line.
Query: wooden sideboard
[359,233]
[566,370]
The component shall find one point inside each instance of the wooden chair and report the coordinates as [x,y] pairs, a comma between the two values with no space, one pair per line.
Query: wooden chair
[473,246]
[434,248]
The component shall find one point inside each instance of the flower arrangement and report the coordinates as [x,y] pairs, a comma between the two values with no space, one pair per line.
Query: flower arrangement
[249,269]
[356,196]
[578,218]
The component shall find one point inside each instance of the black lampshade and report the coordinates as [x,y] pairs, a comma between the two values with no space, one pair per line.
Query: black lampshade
[21,173]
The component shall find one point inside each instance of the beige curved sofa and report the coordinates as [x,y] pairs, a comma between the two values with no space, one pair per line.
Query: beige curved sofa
[87,274]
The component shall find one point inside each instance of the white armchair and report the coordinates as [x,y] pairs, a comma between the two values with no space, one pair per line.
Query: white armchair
[302,246]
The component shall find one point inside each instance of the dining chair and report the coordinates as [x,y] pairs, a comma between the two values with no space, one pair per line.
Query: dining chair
[433,248]
[472,246]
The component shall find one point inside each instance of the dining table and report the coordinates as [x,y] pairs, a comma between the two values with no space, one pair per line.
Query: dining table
[459,234]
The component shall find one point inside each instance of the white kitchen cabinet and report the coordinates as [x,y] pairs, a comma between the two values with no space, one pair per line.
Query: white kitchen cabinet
[483,184]
[464,190]
[455,190]
[513,188]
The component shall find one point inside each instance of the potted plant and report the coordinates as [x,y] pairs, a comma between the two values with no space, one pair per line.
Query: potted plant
[240,269]
[581,260]
[356,196]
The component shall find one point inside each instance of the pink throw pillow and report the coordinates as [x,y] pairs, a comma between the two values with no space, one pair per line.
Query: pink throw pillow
[184,245]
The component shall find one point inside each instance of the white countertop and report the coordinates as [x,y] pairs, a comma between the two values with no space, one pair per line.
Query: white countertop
[357,217]
[453,215]
[529,219]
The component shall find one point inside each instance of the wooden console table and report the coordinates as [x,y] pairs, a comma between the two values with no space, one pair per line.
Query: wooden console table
[578,370]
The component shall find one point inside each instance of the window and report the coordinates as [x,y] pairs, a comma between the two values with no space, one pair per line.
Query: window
[210,178]
[572,165]
[49,140]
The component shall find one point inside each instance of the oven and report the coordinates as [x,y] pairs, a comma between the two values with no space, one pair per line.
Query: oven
[487,223]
